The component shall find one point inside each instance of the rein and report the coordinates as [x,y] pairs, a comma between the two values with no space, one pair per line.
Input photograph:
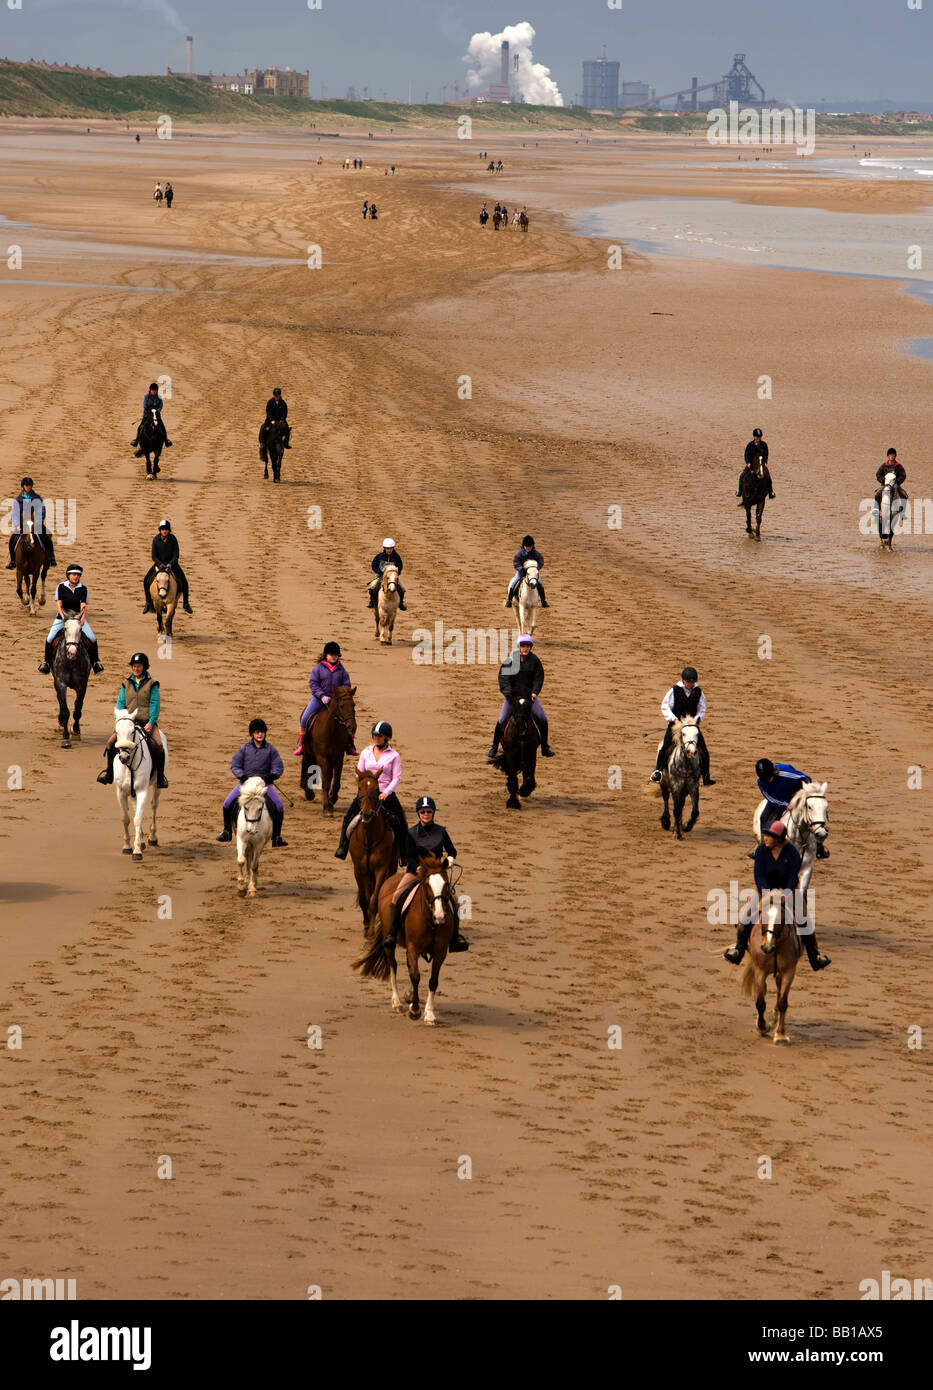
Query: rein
[132,765]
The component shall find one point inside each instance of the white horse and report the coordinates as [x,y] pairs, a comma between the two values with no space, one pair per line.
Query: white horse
[528,598]
[134,775]
[387,602]
[805,819]
[253,832]
[890,510]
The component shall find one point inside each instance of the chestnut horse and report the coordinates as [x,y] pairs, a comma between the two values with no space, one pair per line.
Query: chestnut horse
[32,564]
[324,746]
[773,949]
[427,930]
[163,591]
[373,848]
[387,602]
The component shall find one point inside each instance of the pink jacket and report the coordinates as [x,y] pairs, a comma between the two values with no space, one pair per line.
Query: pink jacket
[388,767]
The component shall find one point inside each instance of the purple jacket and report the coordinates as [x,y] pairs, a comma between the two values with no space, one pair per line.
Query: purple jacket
[324,681]
[250,761]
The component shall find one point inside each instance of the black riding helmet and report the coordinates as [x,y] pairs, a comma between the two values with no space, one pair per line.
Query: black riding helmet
[140,656]
[165,525]
[276,390]
[382,727]
[425,803]
[333,648]
[689,674]
[765,768]
[26,482]
[528,540]
[153,386]
[257,726]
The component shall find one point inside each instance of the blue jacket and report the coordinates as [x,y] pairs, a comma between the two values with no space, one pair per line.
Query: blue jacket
[250,761]
[324,681]
[785,786]
[754,449]
[33,506]
[149,403]
[782,872]
[522,555]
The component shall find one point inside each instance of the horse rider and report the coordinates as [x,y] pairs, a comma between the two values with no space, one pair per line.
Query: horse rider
[151,401]
[388,555]
[683,699]
[29,506]
[425,840]
[139,696]
[385,762]
[779,783]
[328,674]
[276,409]
[756,450]
[777,868]
[71,602]
[527,552]
[890,465]
[256,758]
[165,551]
[524,676]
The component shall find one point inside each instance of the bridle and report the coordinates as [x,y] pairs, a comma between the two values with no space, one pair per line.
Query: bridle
[132,764]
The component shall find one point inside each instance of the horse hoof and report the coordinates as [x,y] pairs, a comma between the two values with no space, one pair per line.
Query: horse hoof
[782,1039]
[127,851]
[414,1014]
[430,1022]
[137,856]
[152,842]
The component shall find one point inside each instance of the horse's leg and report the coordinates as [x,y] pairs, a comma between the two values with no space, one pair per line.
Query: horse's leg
[680,796]
[761,986]
[414,1008]
[170,620]
[758,513]
[242,874]
[306,765]
[78,710]
[695,807]
[748,516]
[123,801]
[154,793]
[63,713]
[783,980]
[397,1005]
[142,797]
[511,781]
[436,964]
[252,865]
[45,571]
[666,814]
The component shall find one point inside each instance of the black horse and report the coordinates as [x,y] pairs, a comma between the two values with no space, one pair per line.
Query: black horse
[71,668]
[150,442]
[272,437]
[754,487]
[520,743]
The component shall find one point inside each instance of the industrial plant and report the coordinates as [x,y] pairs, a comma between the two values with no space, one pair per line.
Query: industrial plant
[277,82]
[602,92]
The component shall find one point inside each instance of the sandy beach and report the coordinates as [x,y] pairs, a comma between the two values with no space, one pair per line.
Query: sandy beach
[146,1035]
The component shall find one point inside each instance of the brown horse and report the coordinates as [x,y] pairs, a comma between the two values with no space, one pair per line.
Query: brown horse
[773,949]
[427,929]
[163,591]
[373,848]
[32,564]
[324,746]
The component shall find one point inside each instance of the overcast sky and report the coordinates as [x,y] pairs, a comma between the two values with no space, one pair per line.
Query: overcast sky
[801,50]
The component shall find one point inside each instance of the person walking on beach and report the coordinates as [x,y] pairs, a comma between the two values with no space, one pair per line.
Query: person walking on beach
[365,209]
[169,195]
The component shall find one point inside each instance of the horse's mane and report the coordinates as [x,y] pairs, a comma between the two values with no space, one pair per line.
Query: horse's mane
[253,787]
[431,865]
[688,722]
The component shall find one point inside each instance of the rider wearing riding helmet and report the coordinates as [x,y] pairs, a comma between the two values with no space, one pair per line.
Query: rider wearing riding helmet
[71,601]
[527,552]
[276,409]
[426,840]
[777,870]
[779,783]
[256,758]
[151,401]
[328,674]
[385,762]
[29,506]
[756,449]
[164,551]
[521,673]
[388,555]
[682,700]
[891,465]
[139,696]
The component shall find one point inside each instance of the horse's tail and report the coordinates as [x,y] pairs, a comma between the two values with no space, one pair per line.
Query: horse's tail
[747,982]
[374,965]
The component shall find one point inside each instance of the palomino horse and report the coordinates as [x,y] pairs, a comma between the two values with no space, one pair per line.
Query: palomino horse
[805,818]
[528,598]
[32,564]
[272,448]
[520,742]
[71,668]
[163,592]
[773,949]
[427,929]
[253,832]
[150,443]
[373,849]
[681,776]
[387,602]
[890,510]
[754,487]
[324,746]
[134,776]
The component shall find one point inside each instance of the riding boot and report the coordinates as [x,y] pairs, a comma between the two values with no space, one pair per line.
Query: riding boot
[814,955]
[372,598]
[110,753]
[343,849]
[50,548]
[736,952]
[158,757]
[288,439]
[46,666]
[148,608]
[184,600]
[401,600]
[707,780]
[544,602]
[508,602]
[395,921]
[546,750]
[496,740]
[277,819]
[457,942]
[96,664]
[227,832]
[14,540]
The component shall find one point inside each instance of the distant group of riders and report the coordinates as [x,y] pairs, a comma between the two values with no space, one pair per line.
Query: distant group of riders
[500,217]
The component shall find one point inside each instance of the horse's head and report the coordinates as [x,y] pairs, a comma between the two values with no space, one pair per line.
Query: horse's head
[433,874]
[389,579]
[772,921]
[342,707]
[368,794]
[816,809]
[163,581]
[125,726]
[29,530]
[531,572]
[689,737]
[521,709]
[890,479]
[252,802]
[71,638]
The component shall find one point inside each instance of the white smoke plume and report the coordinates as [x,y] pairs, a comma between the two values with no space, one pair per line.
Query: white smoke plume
[533,81]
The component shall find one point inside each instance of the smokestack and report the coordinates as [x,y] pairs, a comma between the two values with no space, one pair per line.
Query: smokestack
[189,55]
[504,52]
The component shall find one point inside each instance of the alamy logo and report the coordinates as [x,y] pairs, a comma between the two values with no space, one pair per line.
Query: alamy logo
[894,1290]
[25,1289]
[452,646]
[61,517]
[77,1343]
[773,125]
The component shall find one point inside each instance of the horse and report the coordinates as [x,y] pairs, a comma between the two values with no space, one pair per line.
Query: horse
[387,601]
[520,742]
[754,489]
[528,598]
[427,929]
[163,592]
[681,776]
[253,832]
[324,745]
[523,221]
[890,510]
[71,668]
[150,442]
[805,819]
[272,439]
[373,849]
[32,564]
[134,775]
[773,949]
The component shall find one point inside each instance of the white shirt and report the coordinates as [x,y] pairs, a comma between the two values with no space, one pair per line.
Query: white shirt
[667,704]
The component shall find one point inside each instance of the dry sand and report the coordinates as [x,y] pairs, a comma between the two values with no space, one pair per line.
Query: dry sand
[146,1036]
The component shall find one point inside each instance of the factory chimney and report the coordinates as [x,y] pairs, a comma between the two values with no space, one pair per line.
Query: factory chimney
[504,52]
[189,56]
